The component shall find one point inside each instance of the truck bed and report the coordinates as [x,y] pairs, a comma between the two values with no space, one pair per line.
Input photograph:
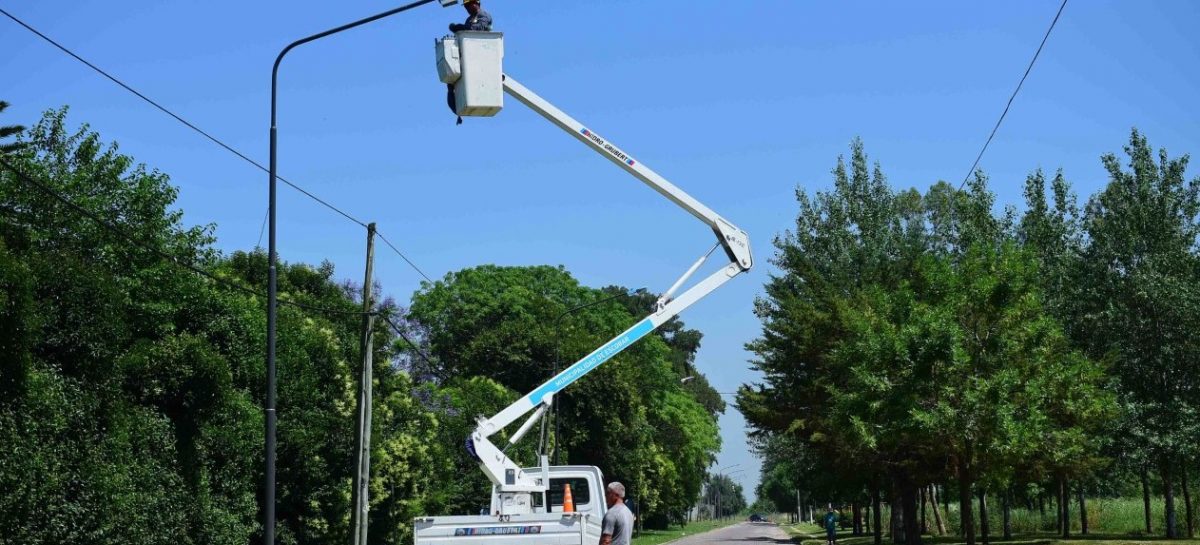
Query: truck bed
[535,529]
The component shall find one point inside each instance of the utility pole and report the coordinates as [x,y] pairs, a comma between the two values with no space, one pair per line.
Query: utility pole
[362,443]
[720,515]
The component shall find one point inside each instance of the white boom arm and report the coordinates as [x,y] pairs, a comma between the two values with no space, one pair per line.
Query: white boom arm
[504,473]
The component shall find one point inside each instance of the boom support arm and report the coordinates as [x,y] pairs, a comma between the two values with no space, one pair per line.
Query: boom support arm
[735,241]
[500,469]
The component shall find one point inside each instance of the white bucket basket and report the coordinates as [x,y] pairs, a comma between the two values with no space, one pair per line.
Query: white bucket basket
[473,63]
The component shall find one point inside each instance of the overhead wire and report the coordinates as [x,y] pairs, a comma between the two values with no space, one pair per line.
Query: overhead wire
[415,347]
[210,137]
[1014,95]
[262,229]
[172,259]
[402,256]
[175,116]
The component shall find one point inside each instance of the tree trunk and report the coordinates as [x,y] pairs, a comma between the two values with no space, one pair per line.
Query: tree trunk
[1187,500]
[856,512]
[898,514]
[1168,485]
[1057,505]
[867,517]
[1058,525]
[1042,504]
[937,516]
[876,504]
[985,538]
[1006,498]
[1064,499]
[945,506]
[893,513]
[966,513]
[1146,499]
[1083,527]
[922,496]
[908,499]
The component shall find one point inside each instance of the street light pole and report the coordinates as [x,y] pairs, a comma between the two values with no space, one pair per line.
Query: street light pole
[730,477]
[717,514]
[272,260]
[557,336]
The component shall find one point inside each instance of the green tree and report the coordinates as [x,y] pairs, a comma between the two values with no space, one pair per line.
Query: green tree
[906,331]
[112,452]
[459,402]
[630,417]
[859,235]
[725,495]
[147,378]
[1052,232]
[1142,305]
[8,131]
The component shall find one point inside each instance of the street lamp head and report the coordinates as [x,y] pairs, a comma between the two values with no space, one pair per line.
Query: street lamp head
[448,3]
[686,379]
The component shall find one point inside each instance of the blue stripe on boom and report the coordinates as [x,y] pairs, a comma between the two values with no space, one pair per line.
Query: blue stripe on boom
[586,365]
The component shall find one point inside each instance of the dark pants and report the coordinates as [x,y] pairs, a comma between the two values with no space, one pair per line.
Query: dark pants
[452,102]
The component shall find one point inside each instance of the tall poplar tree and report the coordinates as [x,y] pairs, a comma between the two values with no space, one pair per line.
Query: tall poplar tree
[1142,304]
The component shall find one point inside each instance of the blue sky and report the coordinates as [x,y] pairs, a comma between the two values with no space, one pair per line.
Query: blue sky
[739,103]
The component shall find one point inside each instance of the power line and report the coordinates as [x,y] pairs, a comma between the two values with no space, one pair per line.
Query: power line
[175,260]
[262,229]
[402,256]
[414,345]
[1014,95]
[211,138]
[175,116]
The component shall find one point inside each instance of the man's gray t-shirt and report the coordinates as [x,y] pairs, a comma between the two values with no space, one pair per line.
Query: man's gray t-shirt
[618,523]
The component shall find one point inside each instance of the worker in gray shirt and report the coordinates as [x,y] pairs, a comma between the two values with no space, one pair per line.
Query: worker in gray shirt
[477,20]
[617,528]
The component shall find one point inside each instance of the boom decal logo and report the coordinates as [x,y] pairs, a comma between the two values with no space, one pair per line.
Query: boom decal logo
[595,138]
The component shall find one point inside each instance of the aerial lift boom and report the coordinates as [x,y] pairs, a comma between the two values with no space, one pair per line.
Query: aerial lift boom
[513,485]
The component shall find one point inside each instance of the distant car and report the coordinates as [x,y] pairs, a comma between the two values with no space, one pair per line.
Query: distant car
[757,518]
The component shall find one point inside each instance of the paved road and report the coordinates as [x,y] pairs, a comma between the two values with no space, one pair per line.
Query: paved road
[739,534]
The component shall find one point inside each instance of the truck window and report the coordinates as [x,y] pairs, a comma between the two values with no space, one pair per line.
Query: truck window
[579,492]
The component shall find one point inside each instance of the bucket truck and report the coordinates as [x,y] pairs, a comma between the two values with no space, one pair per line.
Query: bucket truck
[526,502]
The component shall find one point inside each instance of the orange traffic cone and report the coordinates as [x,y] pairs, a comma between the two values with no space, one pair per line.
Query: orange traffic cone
[568,501]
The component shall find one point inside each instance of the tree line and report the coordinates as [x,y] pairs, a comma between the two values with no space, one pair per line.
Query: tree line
[915,342]
[131,387]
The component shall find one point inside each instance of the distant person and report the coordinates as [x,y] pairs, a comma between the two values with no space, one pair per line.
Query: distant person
[617,527]
[477,20]
[831,520]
